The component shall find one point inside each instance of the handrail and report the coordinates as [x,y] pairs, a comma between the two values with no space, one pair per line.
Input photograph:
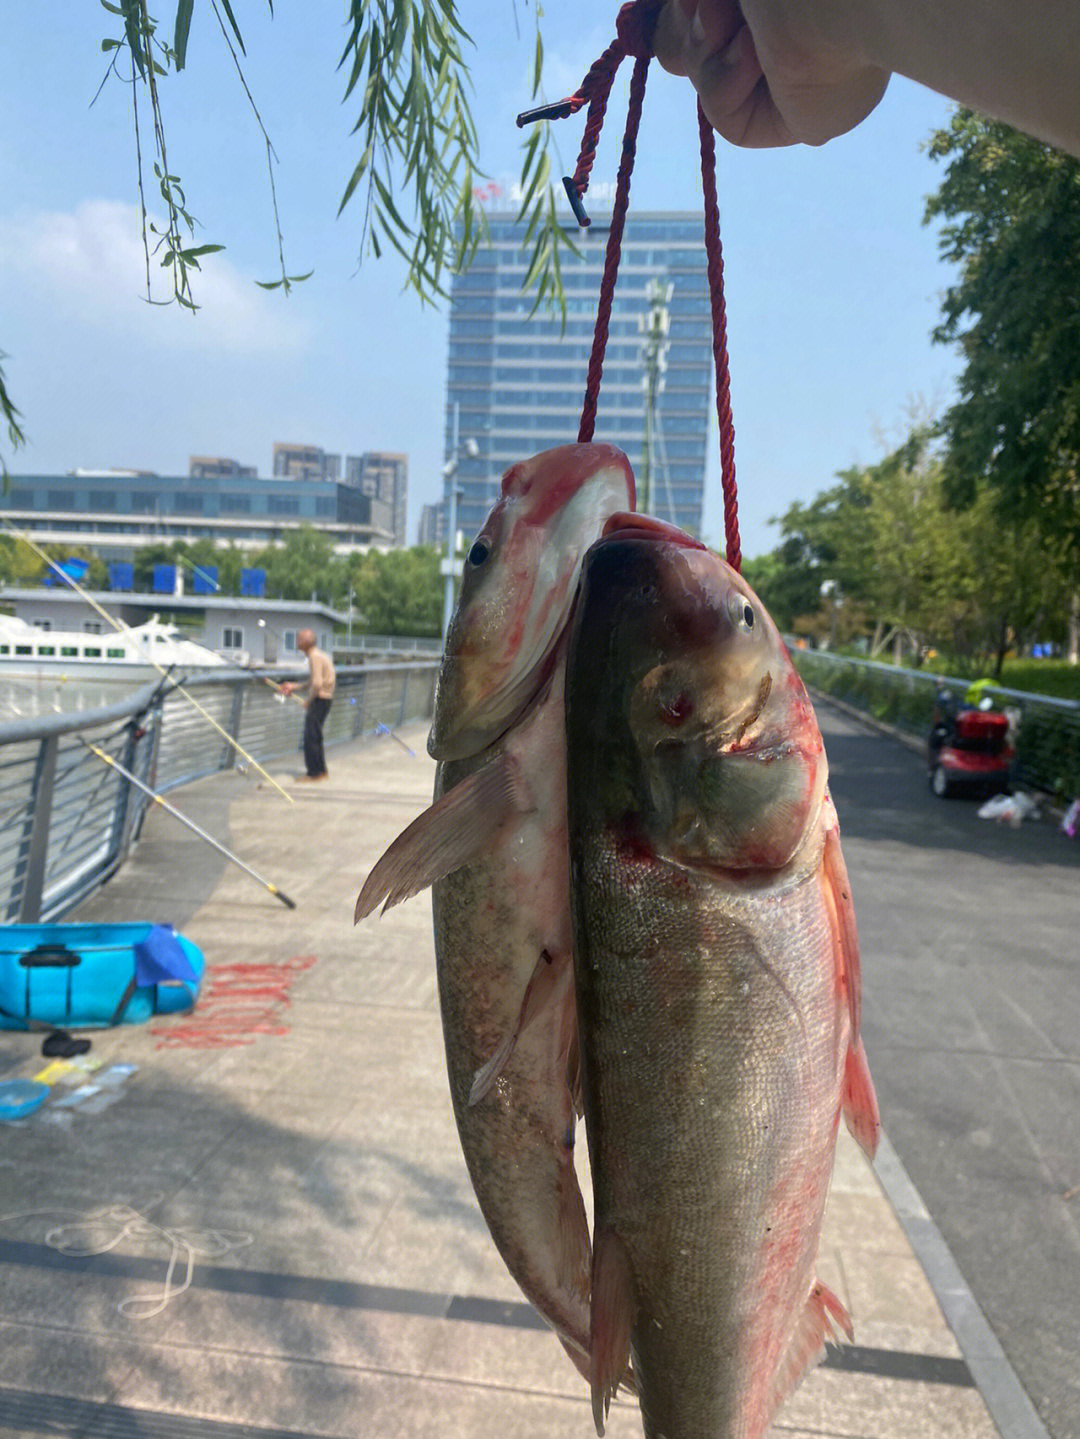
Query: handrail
[67,821]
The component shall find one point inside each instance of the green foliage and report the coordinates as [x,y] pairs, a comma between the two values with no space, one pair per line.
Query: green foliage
[883,554]
[398,593]
[1042,677]
[11,416]
[303,566]
[1011,207]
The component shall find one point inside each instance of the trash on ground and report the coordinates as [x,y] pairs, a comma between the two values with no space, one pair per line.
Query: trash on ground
[1010,808]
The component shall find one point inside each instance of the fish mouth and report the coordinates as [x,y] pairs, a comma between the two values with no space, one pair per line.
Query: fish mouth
[624,525]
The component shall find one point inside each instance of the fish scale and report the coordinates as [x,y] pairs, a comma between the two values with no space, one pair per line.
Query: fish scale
[717,980]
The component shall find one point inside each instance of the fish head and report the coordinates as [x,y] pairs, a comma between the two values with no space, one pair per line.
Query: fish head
[705,739]
[518,589]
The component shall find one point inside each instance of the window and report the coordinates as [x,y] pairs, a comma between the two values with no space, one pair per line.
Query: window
[92,652]
[233,504]
[5,649]
[114,654]
[232,638]
[143,502]
[42,624]
[24,649]
[92,627]
[61,499]
[289,639]
[283,505]
[68,652]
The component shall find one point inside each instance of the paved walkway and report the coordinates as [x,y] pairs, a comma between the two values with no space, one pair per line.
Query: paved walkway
[271,1230]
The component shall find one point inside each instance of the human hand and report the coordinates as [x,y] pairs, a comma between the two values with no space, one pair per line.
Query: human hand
[771,72]
[287,687]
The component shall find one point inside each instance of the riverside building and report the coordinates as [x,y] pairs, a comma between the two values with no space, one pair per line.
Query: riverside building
[516,380]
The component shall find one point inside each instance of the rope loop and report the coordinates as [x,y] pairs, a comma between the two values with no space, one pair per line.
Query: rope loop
[634,28]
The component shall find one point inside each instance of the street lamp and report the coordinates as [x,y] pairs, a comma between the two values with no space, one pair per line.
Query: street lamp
[451,566]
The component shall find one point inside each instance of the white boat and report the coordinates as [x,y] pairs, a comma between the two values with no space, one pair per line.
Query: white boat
[131,654]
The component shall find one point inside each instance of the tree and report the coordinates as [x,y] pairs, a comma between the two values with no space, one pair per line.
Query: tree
[304,565]
[403,63]
[398,593]
[1012,212]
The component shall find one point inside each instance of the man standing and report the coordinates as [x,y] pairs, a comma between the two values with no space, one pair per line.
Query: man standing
[320,694]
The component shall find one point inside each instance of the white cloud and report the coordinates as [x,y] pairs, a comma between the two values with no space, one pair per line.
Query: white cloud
[91,263]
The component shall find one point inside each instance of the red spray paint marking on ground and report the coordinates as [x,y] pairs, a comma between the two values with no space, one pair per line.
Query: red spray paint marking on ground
[237,1003]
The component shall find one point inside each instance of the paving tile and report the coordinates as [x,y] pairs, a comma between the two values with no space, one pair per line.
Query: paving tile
[332,1145]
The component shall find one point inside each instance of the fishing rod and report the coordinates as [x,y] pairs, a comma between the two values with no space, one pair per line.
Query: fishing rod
[177,814]
[122,629]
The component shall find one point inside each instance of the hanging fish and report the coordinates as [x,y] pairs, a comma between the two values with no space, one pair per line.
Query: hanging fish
[717,978]
[493,845]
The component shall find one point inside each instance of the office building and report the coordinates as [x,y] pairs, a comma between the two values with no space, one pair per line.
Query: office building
[516,383]
[117,514]
[384,479]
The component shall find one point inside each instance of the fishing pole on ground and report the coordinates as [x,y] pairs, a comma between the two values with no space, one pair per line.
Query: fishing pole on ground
[125,629]
[190,823]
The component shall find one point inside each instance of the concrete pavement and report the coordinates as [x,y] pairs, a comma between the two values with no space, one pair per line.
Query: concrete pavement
[271,1231]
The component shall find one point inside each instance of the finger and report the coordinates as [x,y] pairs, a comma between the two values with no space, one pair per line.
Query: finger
[687,32]
[735,95]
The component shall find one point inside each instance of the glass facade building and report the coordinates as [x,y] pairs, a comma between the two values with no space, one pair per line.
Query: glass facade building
[516,381]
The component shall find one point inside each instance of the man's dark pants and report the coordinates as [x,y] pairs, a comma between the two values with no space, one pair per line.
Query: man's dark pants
[314,757]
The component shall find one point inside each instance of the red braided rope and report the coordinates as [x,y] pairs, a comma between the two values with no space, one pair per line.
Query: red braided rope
[597,87]
[614,249]
[714,251]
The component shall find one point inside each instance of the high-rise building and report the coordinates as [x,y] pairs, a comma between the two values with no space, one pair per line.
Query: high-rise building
[305,462]
[216,467]
[430,530]
[384,478]
[516,383]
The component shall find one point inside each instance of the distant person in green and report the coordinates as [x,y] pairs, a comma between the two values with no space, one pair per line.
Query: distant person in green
[320,694]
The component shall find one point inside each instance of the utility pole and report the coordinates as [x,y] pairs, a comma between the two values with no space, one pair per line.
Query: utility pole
[451,566]
[654,326]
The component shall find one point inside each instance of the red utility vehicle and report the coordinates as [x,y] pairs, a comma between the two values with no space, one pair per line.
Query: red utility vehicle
[968,749]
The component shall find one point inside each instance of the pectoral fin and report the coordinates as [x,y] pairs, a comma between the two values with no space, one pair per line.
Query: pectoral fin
[860,1102]
[452,832]
[837,888]
[546,987]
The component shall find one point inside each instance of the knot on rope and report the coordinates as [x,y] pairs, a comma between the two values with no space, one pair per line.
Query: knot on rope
[633,36]
[634,25]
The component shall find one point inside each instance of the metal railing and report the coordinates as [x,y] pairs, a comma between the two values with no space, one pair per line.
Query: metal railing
[68,820]
[1046,730]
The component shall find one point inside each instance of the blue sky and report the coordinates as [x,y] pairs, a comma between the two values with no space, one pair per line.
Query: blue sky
[832,281]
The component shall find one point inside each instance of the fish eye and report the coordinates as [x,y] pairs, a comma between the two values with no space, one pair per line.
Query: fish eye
[479,552]
[742,613]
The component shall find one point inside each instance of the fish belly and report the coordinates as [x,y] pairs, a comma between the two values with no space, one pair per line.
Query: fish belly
[711,1051]
[494,920]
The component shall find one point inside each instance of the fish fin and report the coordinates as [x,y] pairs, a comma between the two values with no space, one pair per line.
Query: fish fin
[573,1073]
[452,832]
[578,1357]
[859,1100]
[545,987]
[821,1316]
[837,889]
[612,1319]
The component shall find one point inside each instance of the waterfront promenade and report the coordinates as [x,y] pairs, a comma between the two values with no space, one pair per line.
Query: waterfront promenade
[271,1231]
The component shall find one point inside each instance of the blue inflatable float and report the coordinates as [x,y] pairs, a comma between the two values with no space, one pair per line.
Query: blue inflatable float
[91,976]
